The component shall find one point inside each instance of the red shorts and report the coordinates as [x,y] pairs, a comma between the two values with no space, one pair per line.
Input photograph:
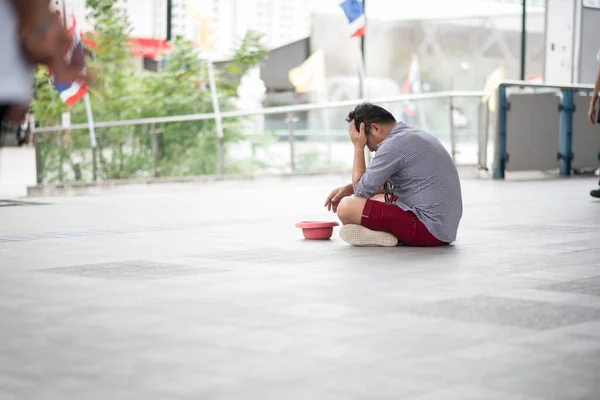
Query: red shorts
[383,217]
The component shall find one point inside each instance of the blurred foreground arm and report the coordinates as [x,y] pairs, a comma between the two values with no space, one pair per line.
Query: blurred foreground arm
[44,39]
[34,17]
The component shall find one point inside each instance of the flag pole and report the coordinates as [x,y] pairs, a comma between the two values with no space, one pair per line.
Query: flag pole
[94,144]
[90,118]
[217,111]
[86,97]
[363,70]
[421,106]
[62,9]
[355,14]
[362,77]
[362,64]
[355,11]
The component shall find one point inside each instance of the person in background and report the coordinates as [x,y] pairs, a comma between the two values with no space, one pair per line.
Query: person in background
[23,136]
[594,115]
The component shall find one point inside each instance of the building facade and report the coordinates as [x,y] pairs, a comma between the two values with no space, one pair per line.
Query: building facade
[217,25]
[280,21]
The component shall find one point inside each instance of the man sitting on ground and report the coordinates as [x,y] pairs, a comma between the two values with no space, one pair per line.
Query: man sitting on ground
[411,191]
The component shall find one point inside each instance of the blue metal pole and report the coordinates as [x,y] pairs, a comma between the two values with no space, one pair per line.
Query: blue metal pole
[566,133]
[502,115]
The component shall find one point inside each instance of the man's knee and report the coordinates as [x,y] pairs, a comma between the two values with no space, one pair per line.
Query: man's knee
[349,210]
[343,209]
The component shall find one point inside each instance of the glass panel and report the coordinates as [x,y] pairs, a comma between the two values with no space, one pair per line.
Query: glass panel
[256,144]
[321,142]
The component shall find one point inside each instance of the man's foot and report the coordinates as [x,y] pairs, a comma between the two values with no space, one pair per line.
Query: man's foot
[595,193]
[358,235]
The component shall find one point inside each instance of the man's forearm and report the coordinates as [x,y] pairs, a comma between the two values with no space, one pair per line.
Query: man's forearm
[596,87]
[359,166]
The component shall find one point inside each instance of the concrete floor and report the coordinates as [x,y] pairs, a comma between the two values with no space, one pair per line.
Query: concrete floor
[210,292]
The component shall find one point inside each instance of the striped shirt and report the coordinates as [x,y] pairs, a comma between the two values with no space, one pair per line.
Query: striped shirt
[423,176]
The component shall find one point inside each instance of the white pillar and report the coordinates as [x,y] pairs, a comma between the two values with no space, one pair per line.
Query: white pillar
[572,32]
[559,64]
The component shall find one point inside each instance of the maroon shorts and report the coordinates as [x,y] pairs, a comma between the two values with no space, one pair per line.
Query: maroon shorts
[383,217]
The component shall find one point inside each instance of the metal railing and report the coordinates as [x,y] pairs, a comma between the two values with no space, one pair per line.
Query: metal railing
[263,111]
[566,122]
[290,117]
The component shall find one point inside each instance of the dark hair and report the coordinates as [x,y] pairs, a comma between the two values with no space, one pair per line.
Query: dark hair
[370,114]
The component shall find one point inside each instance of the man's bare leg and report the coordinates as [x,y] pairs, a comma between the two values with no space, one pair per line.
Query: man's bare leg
[350,208]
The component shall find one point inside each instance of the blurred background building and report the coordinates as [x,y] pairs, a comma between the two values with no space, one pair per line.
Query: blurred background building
[409,48]
[455,45]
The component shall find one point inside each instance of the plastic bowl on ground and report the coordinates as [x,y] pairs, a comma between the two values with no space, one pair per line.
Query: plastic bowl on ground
[317,230]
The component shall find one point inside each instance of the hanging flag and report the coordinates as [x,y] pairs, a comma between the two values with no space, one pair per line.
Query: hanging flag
[310,75]
[204,33]
[356,16]
[71,92]
[412,84]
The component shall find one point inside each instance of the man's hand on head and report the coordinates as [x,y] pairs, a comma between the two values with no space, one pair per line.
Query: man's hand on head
[358,138]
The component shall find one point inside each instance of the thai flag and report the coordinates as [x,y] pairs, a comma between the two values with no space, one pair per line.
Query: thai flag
[71,92]
[356,16]
[412,84]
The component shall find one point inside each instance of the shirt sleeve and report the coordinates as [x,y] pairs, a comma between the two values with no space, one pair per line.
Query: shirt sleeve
[387,162]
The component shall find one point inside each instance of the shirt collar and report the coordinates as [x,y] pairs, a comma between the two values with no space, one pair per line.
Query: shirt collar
[391,133]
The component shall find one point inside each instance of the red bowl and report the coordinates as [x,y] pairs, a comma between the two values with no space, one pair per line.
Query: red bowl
[317,230]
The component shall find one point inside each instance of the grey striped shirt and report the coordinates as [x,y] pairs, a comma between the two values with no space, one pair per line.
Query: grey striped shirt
[424,177]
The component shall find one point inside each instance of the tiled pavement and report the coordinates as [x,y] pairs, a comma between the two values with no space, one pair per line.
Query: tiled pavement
[209,292]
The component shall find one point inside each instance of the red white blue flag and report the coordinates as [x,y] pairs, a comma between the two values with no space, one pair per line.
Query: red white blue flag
[356,16]
[412,84]
[71,92]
